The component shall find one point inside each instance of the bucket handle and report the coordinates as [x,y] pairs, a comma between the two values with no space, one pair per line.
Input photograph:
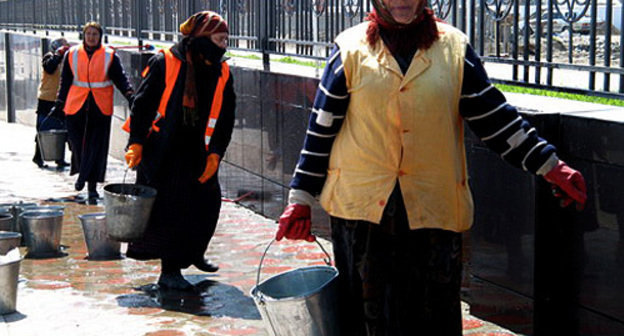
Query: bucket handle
[326,260]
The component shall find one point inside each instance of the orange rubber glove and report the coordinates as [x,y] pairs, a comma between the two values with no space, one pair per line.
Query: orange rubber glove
[568,184]
[212,163]
[295,223]
[134,154]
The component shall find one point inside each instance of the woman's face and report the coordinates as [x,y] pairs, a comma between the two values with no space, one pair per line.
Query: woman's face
[220,39]
[403,11]
[92,37]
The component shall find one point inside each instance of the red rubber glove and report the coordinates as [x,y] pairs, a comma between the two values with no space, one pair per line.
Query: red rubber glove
[61,50]
[133,155]
[295,223]
[571,184]
[212,163]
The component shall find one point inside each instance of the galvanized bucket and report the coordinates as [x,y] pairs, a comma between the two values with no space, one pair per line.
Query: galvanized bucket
[300,302]
[128,208]
[52,144]
[15,209]
[6,221]
[42,233]
[100,247]
[9,274]
[32,207]
[9,240]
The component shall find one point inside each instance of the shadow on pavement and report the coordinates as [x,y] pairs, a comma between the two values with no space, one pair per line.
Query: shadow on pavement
[14,317]
[209,298]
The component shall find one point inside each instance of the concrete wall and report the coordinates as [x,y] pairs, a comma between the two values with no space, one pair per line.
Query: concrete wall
[530,266]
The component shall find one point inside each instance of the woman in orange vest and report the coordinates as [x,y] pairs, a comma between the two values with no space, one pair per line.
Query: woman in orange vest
[89,72]
[180,126]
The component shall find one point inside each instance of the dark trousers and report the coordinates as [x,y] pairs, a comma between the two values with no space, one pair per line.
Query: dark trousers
[396,281]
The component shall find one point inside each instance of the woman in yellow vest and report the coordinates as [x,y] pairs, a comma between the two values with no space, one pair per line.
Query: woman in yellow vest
[90,70]
[384,152]
[48,89]
[180,126]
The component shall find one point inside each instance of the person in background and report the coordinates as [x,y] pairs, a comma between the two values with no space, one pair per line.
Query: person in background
[48,89]
[180,127]
[86,96]
[385,151]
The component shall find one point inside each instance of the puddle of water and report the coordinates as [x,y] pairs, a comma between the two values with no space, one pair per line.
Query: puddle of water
[209,298]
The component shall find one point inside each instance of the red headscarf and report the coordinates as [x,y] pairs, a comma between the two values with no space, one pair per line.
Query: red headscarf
[199,24]
[204,23]
[421,33]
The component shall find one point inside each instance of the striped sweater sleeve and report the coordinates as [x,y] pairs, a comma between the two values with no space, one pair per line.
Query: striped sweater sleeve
[498,124]
[328,113]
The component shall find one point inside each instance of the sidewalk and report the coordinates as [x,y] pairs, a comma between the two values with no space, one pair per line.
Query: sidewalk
[71,295]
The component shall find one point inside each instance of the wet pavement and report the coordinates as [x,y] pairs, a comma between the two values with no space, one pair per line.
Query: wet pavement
[72,295]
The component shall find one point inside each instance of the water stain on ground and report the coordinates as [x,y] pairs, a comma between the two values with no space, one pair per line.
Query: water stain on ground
[207,298]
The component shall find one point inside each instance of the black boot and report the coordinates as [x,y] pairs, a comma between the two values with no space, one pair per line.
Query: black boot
[93,194]
[79,185]
[171,277]
[205,265]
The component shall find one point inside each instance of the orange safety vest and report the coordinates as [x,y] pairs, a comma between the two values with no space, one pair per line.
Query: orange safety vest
[172,69]
[90,75]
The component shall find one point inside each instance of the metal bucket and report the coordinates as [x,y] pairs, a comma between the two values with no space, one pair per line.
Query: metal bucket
[15,209]
[128,208]
[6,221]
[100,247]
[52,144]
[300,302]
[9,273]
[32,207]
[42,233]
[9,240]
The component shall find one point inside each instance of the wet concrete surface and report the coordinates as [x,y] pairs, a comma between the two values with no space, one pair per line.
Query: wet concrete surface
[72,295]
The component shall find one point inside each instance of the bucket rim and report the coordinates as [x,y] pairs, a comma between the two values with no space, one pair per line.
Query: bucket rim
[54,130]
[43,207]
[94,215]
[42,214]
[255,293]
[10,234]
[151,192]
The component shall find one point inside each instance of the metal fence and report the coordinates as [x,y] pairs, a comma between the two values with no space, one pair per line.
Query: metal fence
[569,45]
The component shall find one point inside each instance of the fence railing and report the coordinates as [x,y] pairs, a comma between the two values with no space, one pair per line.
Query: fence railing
[569,45]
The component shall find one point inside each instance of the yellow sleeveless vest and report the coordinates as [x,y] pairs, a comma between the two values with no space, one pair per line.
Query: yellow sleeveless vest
[401,127]
[50,84]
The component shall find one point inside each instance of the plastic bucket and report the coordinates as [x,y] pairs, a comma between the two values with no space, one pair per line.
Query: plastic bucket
[300,302]
[52,144]
[6,221]
[42,232]
[9,240]
[128,208]
[100,247]
[9,273]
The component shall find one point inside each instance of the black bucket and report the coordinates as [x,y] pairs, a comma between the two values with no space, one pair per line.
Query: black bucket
[52,144]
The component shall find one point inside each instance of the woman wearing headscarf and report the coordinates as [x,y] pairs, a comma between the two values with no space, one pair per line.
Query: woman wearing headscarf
[180,126]
[385,154]
[48,88]
[90,70]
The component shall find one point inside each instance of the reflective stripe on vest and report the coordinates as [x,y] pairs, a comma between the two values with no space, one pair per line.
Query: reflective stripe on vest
[217,103]
[90,76]
[172,69]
